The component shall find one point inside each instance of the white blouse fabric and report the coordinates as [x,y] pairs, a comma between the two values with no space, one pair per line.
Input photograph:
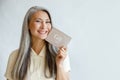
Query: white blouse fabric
[36,69]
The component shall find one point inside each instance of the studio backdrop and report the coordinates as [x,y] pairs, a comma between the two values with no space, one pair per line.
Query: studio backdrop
[94,26]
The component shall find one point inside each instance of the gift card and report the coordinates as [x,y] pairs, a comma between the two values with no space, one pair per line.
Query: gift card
[58,38]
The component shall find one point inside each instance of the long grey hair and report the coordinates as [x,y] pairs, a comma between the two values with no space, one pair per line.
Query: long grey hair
[20,68]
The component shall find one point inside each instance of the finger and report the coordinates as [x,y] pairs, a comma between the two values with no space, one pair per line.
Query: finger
[64,50]
[63,47]
[62,53]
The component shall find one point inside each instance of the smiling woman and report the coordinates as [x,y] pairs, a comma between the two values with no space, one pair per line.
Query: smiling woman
[40,24]
[36,59]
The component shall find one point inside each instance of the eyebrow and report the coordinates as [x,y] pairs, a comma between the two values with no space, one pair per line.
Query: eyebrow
[42,19]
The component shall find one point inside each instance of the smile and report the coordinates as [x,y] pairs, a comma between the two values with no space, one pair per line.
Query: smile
[42,32]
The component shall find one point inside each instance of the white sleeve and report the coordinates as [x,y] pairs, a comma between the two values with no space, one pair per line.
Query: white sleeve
[66,64]
[10,65]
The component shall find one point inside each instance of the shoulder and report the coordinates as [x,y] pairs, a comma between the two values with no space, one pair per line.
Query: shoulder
[14,53]
[11,63]
[12,57]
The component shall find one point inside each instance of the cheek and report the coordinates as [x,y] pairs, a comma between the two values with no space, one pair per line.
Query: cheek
[50,28]
[33,26]
[31,31]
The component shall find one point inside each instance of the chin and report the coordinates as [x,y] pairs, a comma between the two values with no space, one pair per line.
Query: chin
[43,37]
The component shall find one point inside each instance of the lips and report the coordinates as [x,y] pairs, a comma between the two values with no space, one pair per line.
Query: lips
[42,32]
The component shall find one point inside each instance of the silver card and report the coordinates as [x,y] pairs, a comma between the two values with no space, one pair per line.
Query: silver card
[58,38]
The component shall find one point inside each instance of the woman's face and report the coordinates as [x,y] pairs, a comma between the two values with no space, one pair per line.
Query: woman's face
[40,25]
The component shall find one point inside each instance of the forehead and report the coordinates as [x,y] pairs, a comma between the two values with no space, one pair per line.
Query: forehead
[40,14]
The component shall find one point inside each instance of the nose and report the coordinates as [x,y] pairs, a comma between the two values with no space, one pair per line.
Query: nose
[43,25]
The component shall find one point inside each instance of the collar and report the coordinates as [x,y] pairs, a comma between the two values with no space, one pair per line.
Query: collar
[41,54]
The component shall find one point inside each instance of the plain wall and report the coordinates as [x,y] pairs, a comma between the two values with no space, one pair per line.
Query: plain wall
[94,26]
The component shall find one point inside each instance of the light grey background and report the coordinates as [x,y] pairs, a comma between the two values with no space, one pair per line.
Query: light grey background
[94,26]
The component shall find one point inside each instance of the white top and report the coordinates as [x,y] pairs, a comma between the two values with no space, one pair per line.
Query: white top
[36,69]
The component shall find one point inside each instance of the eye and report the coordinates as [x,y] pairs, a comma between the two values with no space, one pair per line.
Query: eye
[37,21]
[48,21]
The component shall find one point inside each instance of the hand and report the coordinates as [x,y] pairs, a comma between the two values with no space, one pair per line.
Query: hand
[61,56]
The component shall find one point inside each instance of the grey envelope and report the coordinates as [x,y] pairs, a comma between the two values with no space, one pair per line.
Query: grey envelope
[58,38]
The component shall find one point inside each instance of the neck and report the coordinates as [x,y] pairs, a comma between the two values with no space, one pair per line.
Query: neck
[37,45]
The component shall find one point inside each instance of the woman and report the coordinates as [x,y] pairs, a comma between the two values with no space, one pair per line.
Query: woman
[37,59]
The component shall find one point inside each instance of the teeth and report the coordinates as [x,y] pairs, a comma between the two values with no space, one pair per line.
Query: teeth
[42,32]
